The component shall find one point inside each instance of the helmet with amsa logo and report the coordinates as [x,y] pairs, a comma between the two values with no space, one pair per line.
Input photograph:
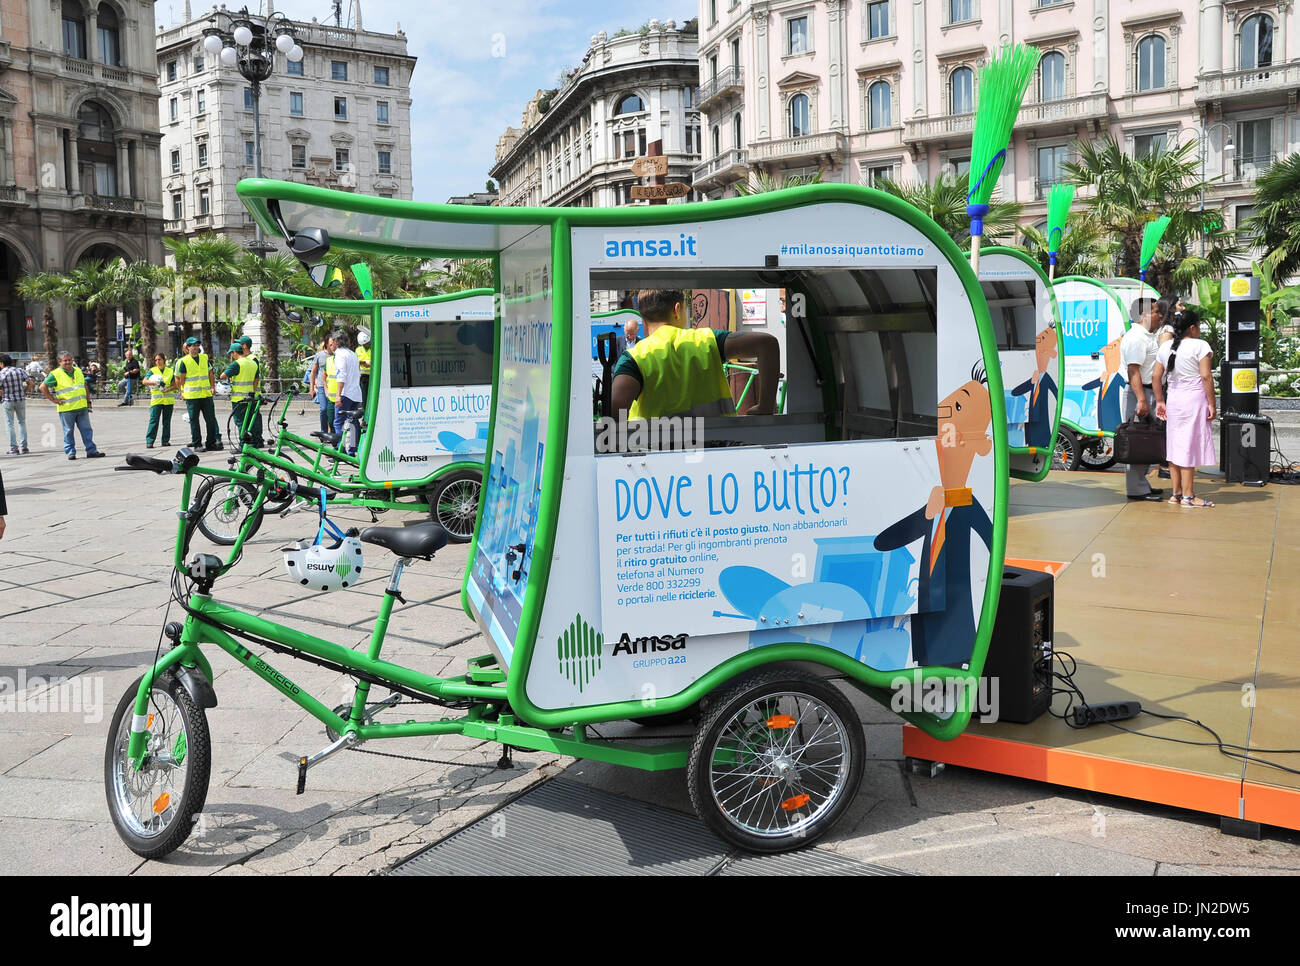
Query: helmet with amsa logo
[325,566]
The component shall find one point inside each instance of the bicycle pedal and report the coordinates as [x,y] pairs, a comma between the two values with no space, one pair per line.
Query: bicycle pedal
[302,775]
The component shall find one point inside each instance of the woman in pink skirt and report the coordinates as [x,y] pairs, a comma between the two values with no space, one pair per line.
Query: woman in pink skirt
[1184,364]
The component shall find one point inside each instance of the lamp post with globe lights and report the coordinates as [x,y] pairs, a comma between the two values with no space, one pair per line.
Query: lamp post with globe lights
[250,42]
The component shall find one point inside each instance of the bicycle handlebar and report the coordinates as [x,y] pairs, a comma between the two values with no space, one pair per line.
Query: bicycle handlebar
[184,460]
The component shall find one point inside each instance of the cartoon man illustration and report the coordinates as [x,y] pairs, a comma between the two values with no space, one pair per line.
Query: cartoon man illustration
[943,629]
[1042,391]
[1109,386]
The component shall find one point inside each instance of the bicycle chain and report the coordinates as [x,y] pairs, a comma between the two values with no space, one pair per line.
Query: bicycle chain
[431,761]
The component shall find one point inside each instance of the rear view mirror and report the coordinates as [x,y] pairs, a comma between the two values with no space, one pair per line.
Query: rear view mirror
[310,245]
[325,276]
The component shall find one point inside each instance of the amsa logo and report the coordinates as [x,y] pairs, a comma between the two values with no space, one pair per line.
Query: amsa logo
[1084,323]
[658,246]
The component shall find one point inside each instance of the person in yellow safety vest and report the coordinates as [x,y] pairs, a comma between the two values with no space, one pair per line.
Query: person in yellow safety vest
[677,371]
[247,342]
[242,373]
[363,357]
[161,381]
[196,381]
[331,383]
[66,388]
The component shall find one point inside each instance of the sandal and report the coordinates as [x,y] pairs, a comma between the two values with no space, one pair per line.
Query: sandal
[1196,503]
[1176,498]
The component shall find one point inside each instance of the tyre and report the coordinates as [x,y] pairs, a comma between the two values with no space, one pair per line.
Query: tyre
[1098,453]
[777,759]
[1065,456]
[454,502]
[154,808]
[226,505]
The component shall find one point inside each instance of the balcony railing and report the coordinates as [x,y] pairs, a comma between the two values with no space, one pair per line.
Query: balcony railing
[1070,110]
[830,144]
[718,166]
[109,203]
[12,194]
[116,75]
[729,79]
[1042,188]
[75,65]
[1240,83]
[1251,166]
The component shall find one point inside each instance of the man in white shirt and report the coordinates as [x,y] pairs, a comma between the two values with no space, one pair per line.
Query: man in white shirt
[1137,351]
[347,370]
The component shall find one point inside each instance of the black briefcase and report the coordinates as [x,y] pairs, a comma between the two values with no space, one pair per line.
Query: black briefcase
[1140,441]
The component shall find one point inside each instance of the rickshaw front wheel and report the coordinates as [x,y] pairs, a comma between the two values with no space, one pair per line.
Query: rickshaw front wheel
[1066,454]
[777,759]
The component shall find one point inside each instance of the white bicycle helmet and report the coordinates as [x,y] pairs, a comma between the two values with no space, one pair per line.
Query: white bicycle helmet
[324,566]
[363,337]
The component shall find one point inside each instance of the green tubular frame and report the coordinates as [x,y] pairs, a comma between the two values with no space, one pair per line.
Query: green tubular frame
[256,193]
[1060,363]
[1123,311]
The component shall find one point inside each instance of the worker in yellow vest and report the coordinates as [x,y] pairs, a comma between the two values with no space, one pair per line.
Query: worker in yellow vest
[242,373]
[677,371]
[363,357]
[331,382]
[66,388]
[196,381]
[161,380]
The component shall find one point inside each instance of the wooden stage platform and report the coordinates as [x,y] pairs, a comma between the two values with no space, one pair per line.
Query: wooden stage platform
[1189,611]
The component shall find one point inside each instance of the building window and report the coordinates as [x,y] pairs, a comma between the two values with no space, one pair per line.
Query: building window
[381,76]
[1051,76]
[385,162]
[1244,214]
[878,19]
[1151,63]
[340,108]
[1144,144]
[341,159]
[875,174]
[961,91]
[1254,146]
[796,36]
[800,116]
[713,68]
[205,201]
[1256,43]
[169,71]
[735,51]
[110,49]
[178,206]
[737,131]
[717,140]
[74,33]
[200,101]
[250,153]
[295,103]
[249,103]
[960,11]
[693,139]
[338,70]
[1050,162]
[176,160]
[298,155]
[629,104]
[878,108]
[295,67]
[203,154]
[959,167]
[198,63]
[713,12]
[173,109]
[688,97]
[381,112]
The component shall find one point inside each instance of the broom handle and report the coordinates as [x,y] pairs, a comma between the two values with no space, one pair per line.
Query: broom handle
[975,253]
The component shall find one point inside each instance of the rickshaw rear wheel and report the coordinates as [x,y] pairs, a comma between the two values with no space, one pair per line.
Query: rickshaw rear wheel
[453,503]
[1098,453]
[1067,451]
[777,759]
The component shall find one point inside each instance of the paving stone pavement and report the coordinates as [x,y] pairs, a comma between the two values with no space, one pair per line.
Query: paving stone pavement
[83,595]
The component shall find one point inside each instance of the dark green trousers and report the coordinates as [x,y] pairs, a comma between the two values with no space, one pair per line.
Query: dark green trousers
[159,414]
[253,434]
[208,410]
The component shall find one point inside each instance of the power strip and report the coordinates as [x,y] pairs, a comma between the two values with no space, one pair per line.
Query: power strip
[1091,714]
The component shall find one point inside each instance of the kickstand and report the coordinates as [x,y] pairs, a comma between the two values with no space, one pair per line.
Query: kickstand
[505,761]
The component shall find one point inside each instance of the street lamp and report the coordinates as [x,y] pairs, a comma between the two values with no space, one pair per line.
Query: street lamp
[1228,150]
[250,43]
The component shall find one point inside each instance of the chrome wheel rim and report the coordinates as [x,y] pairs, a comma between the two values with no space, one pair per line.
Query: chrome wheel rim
[779,764]
[149,799]
[458,506]
[227,510]
[1101,452]
[1061,454]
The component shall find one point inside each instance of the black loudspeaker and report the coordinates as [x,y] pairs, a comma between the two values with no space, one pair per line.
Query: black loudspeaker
[1245,445]
[1020,653]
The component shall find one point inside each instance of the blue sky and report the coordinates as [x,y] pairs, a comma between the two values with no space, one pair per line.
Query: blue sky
[478,64]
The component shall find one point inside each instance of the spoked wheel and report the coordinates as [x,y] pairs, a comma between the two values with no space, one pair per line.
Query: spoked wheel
[776,761]
[1098,453]
[228,504]
[153,808]
[1065,456]
[454,503]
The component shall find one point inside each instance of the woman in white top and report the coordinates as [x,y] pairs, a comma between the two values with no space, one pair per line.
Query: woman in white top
[1189,411]
[1165,310]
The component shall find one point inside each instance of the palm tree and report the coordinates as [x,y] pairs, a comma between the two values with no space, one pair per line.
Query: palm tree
[275,273]
[90,286]
[1084,249]
[1276,222]
[760,182]
[1128,192]
[46,288]
[138,282]
[464,274]
[206,261]
[390,274]
[945,202]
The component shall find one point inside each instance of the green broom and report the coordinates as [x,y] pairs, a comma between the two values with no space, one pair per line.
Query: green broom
[1151,235]
[1002,85]
[1059,200]
[361,272]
